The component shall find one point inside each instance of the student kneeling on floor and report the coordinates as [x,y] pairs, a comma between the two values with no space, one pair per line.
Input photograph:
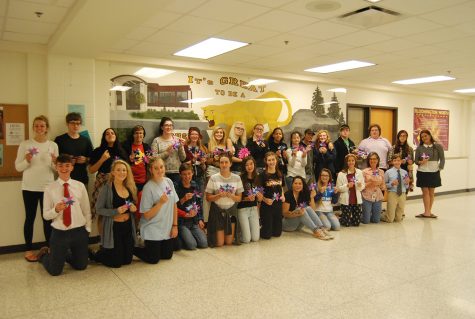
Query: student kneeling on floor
[67,204]
[397,181]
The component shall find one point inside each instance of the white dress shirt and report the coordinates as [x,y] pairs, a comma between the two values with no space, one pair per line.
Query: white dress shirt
[80,209]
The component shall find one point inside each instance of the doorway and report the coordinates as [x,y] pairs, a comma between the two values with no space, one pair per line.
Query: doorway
[361,116]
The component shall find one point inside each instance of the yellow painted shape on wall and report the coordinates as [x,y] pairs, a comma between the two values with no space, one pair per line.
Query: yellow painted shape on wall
[273,113]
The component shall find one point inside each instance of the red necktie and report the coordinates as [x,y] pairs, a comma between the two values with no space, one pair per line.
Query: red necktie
[67,210]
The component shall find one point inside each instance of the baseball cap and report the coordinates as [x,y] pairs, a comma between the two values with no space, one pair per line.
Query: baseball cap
[344,126]
[309,131]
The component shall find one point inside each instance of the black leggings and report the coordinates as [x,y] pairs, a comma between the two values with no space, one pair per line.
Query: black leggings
[30,201]
[121,254]
[271,220]
[155,250]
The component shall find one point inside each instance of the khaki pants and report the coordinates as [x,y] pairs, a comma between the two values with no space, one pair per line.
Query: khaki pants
[395,208]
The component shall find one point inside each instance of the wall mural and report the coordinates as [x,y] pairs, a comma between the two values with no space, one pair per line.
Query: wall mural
[226,99]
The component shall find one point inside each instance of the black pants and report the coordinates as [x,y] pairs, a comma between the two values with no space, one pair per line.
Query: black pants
[155,250]
[122,252]
[271,220]
[30,201]
[66,246]
[350,215]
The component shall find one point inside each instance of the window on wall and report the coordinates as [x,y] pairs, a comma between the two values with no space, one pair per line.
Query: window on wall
[167,98]
[152,98]
[181,96]
[118,96]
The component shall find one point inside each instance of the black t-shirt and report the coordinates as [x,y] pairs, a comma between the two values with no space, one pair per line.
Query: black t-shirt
[272,183]
[289,198]
[236,167]
[248,184]
[114,153]
[75,147]
[258,151]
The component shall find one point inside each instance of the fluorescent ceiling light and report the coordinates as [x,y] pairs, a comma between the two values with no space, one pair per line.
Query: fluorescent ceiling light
[197,100]
[260,82]
[120,88]
[373,1]
[328,103]
[337,90]
[270,99]
[210,47]
[428,79]
[472,90]
[153,72]
[346,65]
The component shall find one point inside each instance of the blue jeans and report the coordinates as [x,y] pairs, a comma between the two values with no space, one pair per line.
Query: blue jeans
[249,223]
[329,220]
[371,211]
[192,237]
[309,219]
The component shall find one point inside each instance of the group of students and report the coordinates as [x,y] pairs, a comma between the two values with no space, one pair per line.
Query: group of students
[150,200]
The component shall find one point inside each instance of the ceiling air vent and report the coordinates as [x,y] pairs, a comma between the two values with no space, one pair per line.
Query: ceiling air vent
[369,17]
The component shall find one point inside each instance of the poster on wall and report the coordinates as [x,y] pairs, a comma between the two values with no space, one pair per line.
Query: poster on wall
[436,121]
[15,133]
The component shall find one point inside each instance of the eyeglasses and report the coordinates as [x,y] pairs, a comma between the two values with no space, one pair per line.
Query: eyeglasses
[239,128]
[74,123]
[167,125]
[259,129]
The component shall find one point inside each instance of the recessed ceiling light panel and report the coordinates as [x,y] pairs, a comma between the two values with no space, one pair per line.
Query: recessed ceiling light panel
[260,82]
[210,48]
[471,90]
[428,79]
[153,73]
[120,88]
[337,90]
[342,66]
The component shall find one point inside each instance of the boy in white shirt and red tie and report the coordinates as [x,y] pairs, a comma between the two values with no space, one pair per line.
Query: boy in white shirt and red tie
[66,203]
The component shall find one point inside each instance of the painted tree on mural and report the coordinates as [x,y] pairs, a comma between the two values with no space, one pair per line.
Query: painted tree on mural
[317,103]
[334,111]
[341,119]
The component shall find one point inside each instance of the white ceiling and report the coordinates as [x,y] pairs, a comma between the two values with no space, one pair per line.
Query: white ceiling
[432,37]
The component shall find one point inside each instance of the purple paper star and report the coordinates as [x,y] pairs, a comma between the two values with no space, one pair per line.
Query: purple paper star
[68,200]
[312,186]
[33,151]
[168,190]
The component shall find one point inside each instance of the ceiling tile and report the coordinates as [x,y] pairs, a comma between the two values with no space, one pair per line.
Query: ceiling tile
[418,52]
[468,27]
[393,45]
[172,37]
[3,7]
[161,19]
[324,30]
[64,3]
[197,25]
[269,3]
[247,34]
[22,26]
[406,27]
[233,58]
[140,33]
[453,15]
[438,35]
[361,38]
[124,44]
[260,50]
[356,54]
[280,21]
[26,11]
[326,47]
[411,7]
[27,38]
[293,41]
[229,11]
[182,6]
[300,7]
[152,49]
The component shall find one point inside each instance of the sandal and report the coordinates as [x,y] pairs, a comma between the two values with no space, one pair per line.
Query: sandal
[425,216]
[319,234]
[327,233]
[30,257]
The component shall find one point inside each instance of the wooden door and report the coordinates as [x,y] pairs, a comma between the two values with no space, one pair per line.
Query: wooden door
[385,118]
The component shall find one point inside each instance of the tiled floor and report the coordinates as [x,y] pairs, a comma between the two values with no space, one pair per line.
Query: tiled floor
[416,269]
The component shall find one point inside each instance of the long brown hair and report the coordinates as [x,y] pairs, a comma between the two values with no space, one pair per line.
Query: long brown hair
[345,163]
[277,170]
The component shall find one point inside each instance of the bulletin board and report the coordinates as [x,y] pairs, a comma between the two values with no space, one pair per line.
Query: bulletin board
[14,128]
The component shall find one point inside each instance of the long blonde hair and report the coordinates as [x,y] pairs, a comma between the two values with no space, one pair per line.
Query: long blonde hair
[129,182]
[213,143]
[234,138]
